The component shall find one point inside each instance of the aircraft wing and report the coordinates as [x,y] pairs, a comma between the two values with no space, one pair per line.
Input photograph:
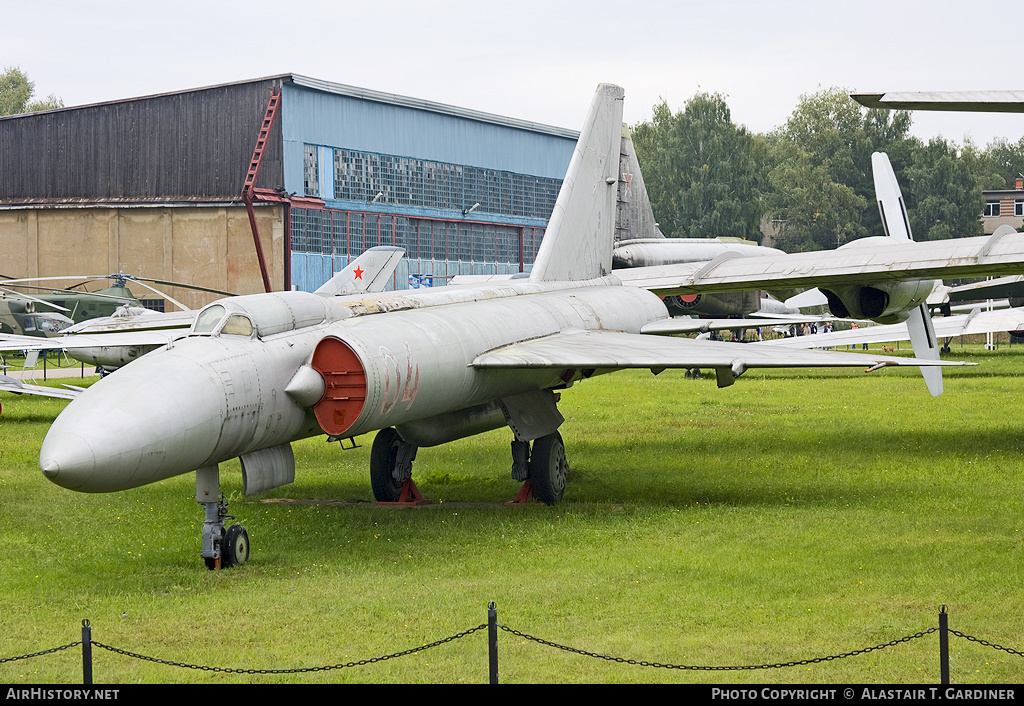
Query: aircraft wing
[9,384]
[990,289]
[611,350]
[97,340]
[866,261]
[967,101]
[945,327]
[685,324]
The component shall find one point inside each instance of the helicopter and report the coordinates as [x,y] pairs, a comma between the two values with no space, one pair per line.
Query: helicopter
[48,313]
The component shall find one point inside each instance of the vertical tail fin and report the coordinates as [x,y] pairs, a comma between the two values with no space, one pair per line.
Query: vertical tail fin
[894,219]
[369,272]
[577,244]
[634,216]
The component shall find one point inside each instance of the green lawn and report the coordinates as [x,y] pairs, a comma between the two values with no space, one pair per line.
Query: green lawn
[791,516]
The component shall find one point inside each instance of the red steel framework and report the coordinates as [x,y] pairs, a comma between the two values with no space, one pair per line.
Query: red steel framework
[367,217]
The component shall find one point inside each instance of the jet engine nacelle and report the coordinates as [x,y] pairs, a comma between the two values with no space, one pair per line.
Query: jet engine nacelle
[387,372]
[726,304]
[888,303]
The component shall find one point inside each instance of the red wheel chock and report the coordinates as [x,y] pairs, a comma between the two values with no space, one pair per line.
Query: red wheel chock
[410,496]
[524,495]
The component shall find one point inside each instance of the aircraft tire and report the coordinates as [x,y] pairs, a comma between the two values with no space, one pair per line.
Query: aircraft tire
[548,468]
[383,457]
[235,549]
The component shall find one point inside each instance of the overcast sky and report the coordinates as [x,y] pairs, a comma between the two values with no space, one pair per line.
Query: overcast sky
[535,60]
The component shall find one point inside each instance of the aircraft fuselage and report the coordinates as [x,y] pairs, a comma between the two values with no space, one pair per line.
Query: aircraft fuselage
[215,397]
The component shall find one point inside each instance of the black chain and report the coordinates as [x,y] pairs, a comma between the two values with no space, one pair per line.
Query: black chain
[525,636]
[986,643]
[779,665]
[229,670]
[44,652]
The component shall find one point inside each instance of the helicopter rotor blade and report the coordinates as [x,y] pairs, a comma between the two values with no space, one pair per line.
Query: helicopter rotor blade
[166,296]
[20,295]
[196,287]
[122,277]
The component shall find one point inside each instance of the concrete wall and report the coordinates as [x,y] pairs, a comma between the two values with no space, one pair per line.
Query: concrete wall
[208,246]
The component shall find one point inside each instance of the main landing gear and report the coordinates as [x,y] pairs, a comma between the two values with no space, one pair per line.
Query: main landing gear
[391,469]
[221,548]
[543,469]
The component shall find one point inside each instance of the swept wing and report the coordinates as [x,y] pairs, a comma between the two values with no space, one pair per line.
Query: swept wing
[977,321]
[9,384]
[615,350]
[865,261]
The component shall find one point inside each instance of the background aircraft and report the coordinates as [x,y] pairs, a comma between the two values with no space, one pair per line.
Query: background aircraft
[916,329]
[56,310]
[425,367]
[113,341]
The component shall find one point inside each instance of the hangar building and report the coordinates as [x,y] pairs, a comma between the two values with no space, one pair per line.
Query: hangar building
[273,183]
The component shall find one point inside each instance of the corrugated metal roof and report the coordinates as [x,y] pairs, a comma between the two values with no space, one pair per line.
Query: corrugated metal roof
[346,90]
[431,106]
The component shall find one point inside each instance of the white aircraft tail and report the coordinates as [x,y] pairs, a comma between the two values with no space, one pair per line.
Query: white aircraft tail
[894,219]
[369,272]
[578,241]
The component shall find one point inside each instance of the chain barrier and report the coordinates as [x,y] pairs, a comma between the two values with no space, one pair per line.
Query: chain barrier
[524,636]
[39,654]
[986,643]
[779,665]
[297,670]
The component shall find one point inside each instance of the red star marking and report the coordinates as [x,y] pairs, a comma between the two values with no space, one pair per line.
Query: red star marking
[358,273]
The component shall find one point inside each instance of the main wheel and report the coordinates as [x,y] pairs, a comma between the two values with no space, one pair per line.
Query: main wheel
[235,547]
[548,468]
[383,458]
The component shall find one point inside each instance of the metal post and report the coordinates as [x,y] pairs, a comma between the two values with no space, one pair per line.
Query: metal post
[86,653]
[944,645]
[492,640]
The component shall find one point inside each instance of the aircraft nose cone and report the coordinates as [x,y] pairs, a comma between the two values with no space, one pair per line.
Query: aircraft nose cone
[156,418]
[68,460]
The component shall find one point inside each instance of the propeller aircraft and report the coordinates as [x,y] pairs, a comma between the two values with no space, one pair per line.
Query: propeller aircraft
[426,367]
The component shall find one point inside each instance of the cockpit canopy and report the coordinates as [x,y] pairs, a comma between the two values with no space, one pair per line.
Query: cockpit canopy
[262,314]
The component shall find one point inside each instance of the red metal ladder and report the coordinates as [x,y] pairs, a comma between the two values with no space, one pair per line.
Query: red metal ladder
[250,178]
[261,141]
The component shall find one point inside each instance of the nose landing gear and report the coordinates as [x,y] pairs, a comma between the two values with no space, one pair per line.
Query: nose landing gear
[221,548]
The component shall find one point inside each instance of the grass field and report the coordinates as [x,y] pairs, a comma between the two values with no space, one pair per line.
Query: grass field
[792,516]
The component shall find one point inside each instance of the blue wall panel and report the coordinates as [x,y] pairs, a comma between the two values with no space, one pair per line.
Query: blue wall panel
[323,118]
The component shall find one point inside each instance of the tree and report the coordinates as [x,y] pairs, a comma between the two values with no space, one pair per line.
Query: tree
[814,211]
[943,190]
[1007,159]
[16,90]
[704,175]
[822,184]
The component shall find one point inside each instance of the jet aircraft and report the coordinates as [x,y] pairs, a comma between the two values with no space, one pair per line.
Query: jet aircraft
[425,367]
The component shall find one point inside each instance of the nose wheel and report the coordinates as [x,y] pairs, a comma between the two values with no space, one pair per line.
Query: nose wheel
[221,548]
